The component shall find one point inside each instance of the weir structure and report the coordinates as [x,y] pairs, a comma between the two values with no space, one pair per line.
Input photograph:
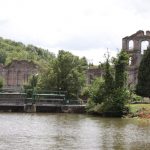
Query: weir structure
[135,45]
[39,102]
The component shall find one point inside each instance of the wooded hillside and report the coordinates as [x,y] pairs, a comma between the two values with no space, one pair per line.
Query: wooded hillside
[11,50]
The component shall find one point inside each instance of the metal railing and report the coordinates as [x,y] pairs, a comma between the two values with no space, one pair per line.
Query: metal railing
[53,97]
[39,98]
[15,98]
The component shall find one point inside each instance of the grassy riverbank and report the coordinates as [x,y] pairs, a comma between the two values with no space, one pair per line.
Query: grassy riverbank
[139,110]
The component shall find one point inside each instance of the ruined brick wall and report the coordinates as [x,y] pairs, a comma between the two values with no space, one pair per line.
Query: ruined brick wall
[93,73]
[135,52]
[17,73]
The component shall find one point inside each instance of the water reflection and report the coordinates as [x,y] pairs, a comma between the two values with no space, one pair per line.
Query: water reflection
[71,132]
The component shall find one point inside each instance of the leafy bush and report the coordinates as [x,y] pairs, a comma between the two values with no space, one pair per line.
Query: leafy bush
[1,82]
[135,98]
[85,93]
[97,91]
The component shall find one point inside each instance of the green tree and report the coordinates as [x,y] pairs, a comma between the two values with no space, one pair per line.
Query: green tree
[3,56]
[66,72]
[120,69]
[108,78]
[47,79]
[70,73]
[120,94]
[101,91]
[143,85]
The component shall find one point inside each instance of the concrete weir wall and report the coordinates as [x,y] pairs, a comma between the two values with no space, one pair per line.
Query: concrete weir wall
[17,102]
[33,108]
[61,109]
[73,109]
[10,108]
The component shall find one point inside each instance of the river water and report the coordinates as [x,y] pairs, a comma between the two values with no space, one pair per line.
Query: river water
[19,131]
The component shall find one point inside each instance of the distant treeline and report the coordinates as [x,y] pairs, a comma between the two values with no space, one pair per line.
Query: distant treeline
[11,50]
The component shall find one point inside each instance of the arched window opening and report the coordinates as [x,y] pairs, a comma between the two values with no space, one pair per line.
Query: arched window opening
[144,46]
[131,45]
[130,61]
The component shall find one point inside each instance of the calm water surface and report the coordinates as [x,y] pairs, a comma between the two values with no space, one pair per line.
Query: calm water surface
[20,131]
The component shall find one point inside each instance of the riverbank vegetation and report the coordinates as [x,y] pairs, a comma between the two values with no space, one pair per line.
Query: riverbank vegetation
[139,110]
[110,94]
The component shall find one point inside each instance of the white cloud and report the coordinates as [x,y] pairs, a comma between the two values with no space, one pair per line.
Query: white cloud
[85,27]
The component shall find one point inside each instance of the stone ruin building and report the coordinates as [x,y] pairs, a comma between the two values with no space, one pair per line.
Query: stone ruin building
[133,46]
[17,73]
[92,73]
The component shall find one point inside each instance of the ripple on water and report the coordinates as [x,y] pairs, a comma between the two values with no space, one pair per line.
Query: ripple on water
[19,131]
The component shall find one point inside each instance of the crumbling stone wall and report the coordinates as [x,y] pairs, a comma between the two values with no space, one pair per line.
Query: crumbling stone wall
[17,73]
[135,52]
[92,73]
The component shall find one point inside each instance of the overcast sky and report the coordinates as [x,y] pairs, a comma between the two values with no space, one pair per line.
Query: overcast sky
[83,27]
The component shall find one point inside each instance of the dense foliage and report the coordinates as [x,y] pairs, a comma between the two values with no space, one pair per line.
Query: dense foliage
[67,73]
[108,78]
[120,69]
[11,50]
[143,85]
[110,94]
